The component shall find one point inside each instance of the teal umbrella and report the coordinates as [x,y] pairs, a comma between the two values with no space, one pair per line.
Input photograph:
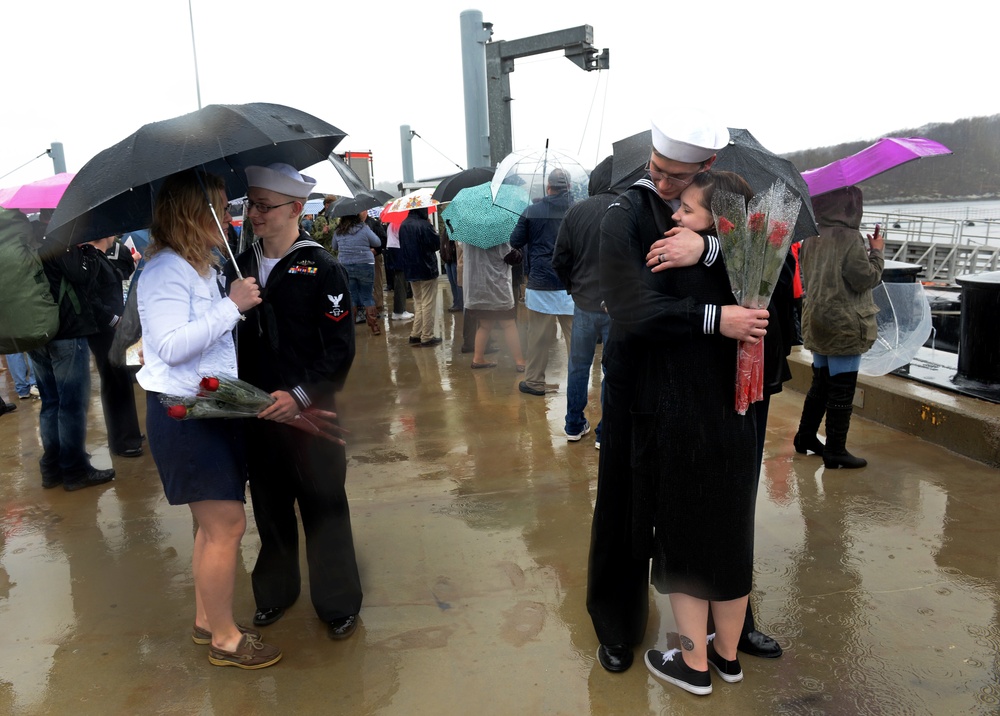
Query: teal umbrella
[473,218]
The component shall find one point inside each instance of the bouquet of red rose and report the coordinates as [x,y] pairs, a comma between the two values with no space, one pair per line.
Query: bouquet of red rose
[224,396]
[218,397]
[754,242]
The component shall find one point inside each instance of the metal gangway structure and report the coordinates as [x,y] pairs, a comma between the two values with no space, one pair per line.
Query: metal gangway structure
[945,247]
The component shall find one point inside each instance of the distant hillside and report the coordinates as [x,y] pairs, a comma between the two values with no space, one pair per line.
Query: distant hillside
[971,172]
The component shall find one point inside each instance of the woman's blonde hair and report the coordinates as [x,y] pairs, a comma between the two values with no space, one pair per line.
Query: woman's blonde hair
[182,219]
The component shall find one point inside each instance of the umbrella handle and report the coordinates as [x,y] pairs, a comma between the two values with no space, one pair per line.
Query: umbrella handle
[225,241]
[218,225]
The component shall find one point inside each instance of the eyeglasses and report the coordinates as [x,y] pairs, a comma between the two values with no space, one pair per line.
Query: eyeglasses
[658,176]
[263,208]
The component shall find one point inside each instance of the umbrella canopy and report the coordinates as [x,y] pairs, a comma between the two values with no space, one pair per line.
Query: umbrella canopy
[397,209]
[313,206]
[352,206]
[885,154]
[36,195]
[528,172]
[335,176]
[115,191]
[629,159]
[904,324]
[450,186]
[473,218]
[744,155]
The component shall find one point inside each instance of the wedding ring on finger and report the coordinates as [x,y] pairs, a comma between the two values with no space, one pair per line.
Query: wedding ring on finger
[661,258]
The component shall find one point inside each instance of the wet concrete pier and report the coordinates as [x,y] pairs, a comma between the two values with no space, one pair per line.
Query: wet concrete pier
[471,517]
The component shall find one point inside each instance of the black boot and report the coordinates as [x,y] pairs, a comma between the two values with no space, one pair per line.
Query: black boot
[812,413]
[839,406]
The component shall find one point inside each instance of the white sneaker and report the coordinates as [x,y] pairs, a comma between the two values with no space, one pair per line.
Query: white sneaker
[33,392]
[578,436]
[404,316]
[597,444]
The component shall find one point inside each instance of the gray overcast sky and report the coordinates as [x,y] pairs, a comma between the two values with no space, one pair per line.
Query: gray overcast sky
[795,74]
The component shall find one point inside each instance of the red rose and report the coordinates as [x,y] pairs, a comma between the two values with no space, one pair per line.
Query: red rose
[177,412]
[779,230]
[725,226]
[757,221]
[209,383]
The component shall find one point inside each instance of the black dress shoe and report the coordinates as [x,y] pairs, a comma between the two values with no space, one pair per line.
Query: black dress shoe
[267,615]
[131,452]
[525,388]
[757,643]
[50,481]
[91,477]
[615,657]
[343,627]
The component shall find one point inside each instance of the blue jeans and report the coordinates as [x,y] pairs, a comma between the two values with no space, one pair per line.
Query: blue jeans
[587,327]
[456,290]
[62,368]
[20,371]
[361,280]
[837,364]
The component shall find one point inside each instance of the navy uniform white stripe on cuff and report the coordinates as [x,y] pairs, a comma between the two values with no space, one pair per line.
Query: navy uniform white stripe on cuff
[709,324]
[712,252]
[301,396]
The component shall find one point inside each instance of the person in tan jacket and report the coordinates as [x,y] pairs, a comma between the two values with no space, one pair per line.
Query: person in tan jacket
[838,320]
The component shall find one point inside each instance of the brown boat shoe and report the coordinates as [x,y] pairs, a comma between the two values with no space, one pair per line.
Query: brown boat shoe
[250,654]
[201,637]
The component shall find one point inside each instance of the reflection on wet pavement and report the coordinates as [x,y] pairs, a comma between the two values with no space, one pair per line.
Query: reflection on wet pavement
[471,515]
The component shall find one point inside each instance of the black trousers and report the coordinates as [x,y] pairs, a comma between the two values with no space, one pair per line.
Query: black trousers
[286,466]
[617,580]
[117,397]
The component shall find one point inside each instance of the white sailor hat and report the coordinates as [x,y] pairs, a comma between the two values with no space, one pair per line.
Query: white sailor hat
[687,136]
[281,178]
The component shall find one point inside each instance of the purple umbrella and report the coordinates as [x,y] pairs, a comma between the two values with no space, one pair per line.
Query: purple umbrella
[41,194]
[885,154]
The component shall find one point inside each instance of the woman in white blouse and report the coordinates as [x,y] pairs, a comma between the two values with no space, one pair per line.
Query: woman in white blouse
[187,322]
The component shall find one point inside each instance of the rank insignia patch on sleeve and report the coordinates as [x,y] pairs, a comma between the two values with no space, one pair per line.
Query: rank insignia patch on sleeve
[336,312]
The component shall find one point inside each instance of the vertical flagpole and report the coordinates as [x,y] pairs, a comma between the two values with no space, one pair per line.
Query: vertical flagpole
[194,51]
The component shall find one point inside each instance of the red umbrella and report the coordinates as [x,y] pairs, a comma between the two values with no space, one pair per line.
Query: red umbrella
[398,209]
[41,194]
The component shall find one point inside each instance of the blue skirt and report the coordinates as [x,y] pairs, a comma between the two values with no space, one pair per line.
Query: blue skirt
[200,459]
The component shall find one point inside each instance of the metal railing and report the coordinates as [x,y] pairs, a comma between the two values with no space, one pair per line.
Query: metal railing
[929,229]
[946,248]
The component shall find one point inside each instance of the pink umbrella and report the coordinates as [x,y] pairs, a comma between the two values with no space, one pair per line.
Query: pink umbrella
[885,154]
[41,194]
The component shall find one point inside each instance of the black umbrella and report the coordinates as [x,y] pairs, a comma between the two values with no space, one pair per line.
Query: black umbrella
[744,155]
[629,159]
[450,186]
[352,206]
[114,191]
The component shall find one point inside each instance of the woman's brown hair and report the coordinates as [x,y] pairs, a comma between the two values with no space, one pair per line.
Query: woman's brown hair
[182,219]
[716,180]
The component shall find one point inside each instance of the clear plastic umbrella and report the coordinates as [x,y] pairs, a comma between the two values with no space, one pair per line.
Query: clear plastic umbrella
[904,324]
[530,170]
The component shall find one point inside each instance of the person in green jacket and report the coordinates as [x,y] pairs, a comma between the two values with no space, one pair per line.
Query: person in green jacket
[838,320]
